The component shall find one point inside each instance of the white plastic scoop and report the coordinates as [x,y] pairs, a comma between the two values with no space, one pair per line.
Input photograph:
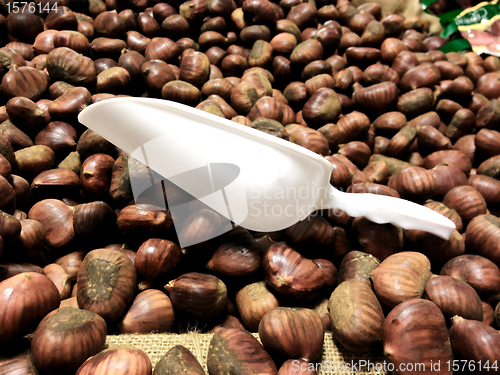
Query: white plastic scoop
[252,178]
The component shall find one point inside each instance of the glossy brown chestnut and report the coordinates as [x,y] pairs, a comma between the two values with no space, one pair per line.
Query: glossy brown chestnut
[122,360]
[141,220]
[178,360]
[55,182]
[357,265]
[58,135]
[151,311]
[414,183]
[466,201]
[301,335]
[348,128]
[157,73]
[481,237]
[322,107]
[70,103]
[253,302]
[24,81]
[106,283]
[475,341]
[479,272]
[67,65]
[416,102]
[71,263]
[57,220]
[289,273]
[356,315]
[447,177]
[237,255]
[233,349]
[404,324]
[400,277]
[60,278]
[195,68]
[454,297]
[95,175]
[94,223]
[25,299]
[34,159]
[378,97]
[309,138]
[65,338]
[156,258]
[201,295]
[25,113]
[449,157]
[379,240]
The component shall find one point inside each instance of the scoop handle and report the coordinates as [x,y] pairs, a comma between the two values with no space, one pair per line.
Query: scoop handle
[384,209]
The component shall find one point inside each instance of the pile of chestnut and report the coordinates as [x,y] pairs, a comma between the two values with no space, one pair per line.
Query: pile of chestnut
[82,258]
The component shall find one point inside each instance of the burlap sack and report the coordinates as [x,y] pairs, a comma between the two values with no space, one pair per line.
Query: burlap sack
[335,359]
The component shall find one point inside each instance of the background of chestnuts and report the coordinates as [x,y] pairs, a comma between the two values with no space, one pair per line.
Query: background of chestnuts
[80,259]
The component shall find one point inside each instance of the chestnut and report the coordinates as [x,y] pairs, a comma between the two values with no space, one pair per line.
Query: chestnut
[238,254]
[31,240]
[95,175]
[178,360]
[106,283]
[253,302]
[122,360]
[57,220]
[357,265]
[292,333]
[379,240]
[479,272]
[67,65]
[60,279]
[151,311]
[65,338]
[476,342]
[25,299]
[400,277]
[466,201]
[480,236]
[200,295]
[16,358]
[415,332]
[156,258]
[356,315]
[34,159]
[236,350]
[290,274]
[454,297]
[94,223]
[71,263]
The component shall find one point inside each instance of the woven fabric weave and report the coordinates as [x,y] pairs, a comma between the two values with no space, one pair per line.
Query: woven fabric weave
[334,361]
